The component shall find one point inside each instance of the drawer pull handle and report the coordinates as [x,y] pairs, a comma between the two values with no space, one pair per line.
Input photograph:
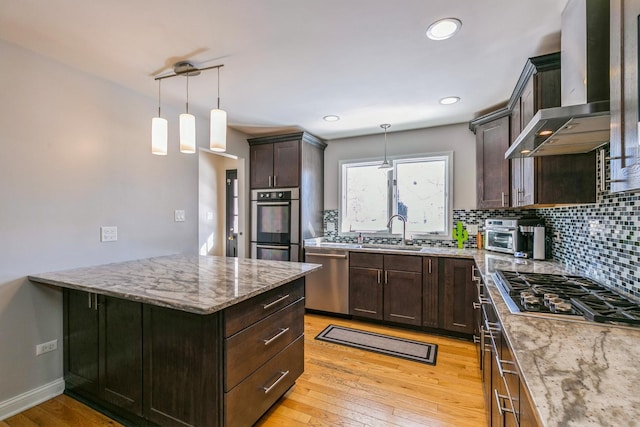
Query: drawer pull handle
[499,399]
[276,336]
[476,305]
[271,304]
[280,378]
[460,325]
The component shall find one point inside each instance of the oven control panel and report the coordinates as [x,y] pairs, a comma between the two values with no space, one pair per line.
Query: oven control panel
[275,195]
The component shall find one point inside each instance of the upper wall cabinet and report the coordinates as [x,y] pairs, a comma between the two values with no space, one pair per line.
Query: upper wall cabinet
[625,141]
[534,181]
[492,184]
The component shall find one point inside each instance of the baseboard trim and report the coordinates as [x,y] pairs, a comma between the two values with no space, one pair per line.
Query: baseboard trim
[31,398]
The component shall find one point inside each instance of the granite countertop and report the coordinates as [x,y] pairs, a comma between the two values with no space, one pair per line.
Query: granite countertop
[577,373]
[192,283]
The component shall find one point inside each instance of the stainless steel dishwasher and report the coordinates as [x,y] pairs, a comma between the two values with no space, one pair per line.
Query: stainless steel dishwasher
[327,289]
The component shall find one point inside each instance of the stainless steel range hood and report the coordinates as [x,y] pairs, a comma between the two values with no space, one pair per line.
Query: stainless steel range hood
[582,124]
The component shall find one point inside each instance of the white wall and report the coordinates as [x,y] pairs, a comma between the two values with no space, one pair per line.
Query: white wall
[75,155]
[457,138]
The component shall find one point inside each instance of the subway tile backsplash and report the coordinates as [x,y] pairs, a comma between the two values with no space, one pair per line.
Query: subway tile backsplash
[599,240]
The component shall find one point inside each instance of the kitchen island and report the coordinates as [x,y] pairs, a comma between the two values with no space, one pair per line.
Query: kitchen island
[183,340]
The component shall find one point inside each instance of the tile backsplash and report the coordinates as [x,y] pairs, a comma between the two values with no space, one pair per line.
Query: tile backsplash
[599,240]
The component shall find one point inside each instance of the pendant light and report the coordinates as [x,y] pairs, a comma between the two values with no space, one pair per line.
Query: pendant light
[218,126]
[159,133]
[187,127]
[385,164]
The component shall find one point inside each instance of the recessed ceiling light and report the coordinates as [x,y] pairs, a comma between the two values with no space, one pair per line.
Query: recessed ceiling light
[449,100]
[443,28]
[331,118]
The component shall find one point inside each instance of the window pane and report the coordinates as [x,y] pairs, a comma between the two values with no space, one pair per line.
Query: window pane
[421,195]
[365,198]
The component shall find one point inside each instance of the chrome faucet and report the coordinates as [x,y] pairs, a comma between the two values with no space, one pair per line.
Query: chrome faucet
[404,226]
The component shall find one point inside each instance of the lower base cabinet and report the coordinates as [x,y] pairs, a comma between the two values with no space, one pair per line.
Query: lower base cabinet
[386,287]
[151,365]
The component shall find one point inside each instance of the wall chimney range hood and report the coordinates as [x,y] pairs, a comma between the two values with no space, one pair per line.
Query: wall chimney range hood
[582,123]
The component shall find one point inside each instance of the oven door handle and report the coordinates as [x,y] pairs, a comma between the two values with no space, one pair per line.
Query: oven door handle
[284,248]
[273,203]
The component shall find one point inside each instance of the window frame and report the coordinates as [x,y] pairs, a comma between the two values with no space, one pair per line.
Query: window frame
[447,156]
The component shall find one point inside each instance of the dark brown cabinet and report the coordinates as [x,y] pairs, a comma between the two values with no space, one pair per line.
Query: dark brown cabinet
[530,181]
[624,152]
[492,184]
[430,292]
[103,349]
[365,285]
[275,164]
[457,295]
[386,287]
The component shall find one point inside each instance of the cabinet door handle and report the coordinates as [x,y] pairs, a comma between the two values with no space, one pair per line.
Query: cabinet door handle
[90,301]
[379,273]
[95,301]
[276,336]
[280,378]
[502,199]
[269,180]
[476,339]
[429,265]
[386,277]
[476,305]
[271,304]
[274,181]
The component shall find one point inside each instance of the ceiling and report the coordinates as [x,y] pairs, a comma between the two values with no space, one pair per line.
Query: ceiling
[288,63]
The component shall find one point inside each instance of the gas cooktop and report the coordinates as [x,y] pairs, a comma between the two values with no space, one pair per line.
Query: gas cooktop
[563,295]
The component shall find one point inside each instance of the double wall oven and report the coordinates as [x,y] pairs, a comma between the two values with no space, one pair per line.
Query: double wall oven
[275,224]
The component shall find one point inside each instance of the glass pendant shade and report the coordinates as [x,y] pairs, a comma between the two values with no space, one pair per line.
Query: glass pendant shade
[218,130]
[187,133]
[159,136]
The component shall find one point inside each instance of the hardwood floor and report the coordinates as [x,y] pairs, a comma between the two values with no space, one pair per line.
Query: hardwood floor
[344,386]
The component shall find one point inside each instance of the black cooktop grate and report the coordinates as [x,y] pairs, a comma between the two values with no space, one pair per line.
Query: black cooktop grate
[568,295]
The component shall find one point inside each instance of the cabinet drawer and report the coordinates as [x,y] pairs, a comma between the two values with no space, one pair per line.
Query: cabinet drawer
[403,263]
[246,403]
[257,308]
[250,348]
[358,259]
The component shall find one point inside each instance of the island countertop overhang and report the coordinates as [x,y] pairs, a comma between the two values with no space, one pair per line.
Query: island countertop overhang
[192,283]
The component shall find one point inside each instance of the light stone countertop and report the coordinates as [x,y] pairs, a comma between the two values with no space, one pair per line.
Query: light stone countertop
[192,283]
[578,373]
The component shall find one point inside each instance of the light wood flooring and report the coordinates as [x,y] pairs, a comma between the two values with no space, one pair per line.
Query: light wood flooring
[344,386]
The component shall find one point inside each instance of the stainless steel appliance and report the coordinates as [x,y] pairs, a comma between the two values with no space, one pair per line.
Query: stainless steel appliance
[275,224]
[505,235]
[573,297]
[327,289]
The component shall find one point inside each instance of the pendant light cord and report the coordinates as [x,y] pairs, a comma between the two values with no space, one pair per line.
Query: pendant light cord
[187,93]
[159,81]
[218,88]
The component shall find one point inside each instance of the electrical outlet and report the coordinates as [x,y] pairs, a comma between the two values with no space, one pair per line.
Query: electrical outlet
[46,347]
[179,215]
[472,229]
[108,233]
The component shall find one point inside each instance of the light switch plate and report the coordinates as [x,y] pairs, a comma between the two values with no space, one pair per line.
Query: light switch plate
[108,233]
